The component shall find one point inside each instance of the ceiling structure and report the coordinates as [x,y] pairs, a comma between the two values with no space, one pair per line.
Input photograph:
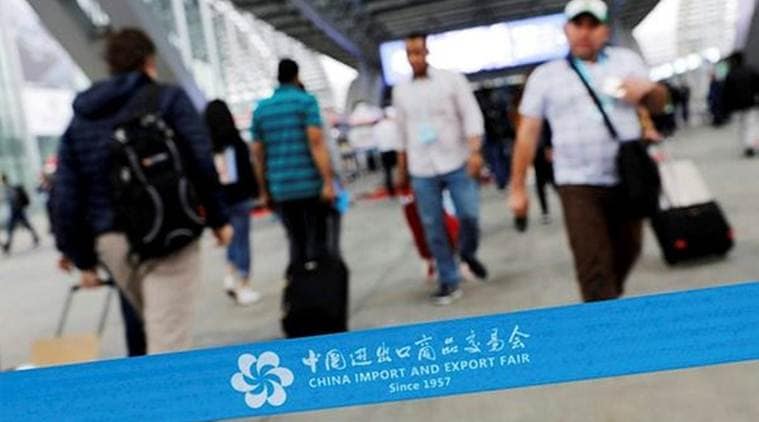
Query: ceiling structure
[351,30]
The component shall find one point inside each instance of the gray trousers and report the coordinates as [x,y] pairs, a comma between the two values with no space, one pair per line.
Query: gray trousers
[162,290]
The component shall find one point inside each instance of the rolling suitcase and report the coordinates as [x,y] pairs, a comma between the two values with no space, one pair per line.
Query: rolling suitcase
[71,348]
[690,223]
[315,300]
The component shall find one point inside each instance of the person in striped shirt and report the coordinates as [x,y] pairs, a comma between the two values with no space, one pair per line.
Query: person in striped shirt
[293,164]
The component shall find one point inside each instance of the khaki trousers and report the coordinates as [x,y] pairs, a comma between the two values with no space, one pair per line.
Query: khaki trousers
[161,290]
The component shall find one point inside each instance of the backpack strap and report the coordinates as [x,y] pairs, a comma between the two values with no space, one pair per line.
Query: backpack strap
[146,101]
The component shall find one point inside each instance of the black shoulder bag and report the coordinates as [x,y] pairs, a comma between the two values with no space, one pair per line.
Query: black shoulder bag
[638,172]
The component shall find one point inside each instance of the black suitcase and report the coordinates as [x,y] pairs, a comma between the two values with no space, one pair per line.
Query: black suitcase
[690,224]
[315,300]
[692,232]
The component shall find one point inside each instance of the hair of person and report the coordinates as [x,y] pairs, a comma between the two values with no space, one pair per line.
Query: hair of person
[417,35]
[287,71]
[221,125]
[127,50]
[591,16]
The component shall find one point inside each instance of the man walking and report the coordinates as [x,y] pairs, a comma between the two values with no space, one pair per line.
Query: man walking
[91,227]
[18,201]
[605,242]
[441,128]
[293,164]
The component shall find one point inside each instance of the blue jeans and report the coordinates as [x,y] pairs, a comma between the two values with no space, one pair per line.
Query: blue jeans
[238,251]
[466,199]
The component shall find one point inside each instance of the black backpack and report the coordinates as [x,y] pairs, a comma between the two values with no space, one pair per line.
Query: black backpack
[154,200]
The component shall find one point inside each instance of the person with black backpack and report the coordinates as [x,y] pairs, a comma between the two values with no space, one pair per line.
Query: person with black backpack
[135,187]
[18,201]
[233,163]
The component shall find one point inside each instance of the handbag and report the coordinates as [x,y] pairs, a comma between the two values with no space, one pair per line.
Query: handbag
[638,173]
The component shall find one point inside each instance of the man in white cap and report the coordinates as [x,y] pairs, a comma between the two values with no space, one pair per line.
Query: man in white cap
[605,241]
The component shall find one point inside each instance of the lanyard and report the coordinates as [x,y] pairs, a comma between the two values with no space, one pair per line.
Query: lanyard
[603,59]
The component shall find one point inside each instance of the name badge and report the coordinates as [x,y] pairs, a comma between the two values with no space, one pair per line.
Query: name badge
[226,166]
[426,134]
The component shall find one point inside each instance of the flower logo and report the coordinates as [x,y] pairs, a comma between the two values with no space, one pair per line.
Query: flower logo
[261,379]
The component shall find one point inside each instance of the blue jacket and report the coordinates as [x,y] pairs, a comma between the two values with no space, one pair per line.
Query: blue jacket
[82,207]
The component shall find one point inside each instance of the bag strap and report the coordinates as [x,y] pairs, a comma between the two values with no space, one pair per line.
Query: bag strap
[146,101]
[594,96]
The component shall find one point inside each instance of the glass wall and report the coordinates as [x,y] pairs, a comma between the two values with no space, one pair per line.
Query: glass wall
[163,11]
[12,130]
[233,55]
[195,29]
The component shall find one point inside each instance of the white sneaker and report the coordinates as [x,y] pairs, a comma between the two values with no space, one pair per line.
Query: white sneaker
[229,284]
[446,295]
[466,273]
[245,295]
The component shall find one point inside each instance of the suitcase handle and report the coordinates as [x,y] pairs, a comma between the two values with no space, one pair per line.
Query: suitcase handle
[665,157]
[102,283]
[103,315]
[663,168]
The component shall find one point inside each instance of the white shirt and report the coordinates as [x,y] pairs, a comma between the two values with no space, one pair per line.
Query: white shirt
[436,114]
[584,151]
[386,136]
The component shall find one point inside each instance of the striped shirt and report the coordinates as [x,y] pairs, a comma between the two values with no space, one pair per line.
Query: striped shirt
[584,151]
[280,123]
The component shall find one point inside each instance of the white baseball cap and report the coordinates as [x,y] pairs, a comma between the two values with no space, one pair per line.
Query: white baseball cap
[595,8]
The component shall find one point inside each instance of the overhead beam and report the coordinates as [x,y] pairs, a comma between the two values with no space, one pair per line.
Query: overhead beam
[452,20]
[455,7]
[329,28]
[68,25]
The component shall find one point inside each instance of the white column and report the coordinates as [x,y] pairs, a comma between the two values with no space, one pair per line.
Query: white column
[15,77]
[183,33]
[206,18]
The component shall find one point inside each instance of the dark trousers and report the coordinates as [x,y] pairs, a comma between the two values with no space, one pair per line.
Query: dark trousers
[134,329]
[305,221]
[543,177]
[389,161]
[605,242]
[498,156]
[18,218]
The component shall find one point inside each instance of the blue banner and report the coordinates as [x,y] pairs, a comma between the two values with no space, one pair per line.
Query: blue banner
[536,347]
